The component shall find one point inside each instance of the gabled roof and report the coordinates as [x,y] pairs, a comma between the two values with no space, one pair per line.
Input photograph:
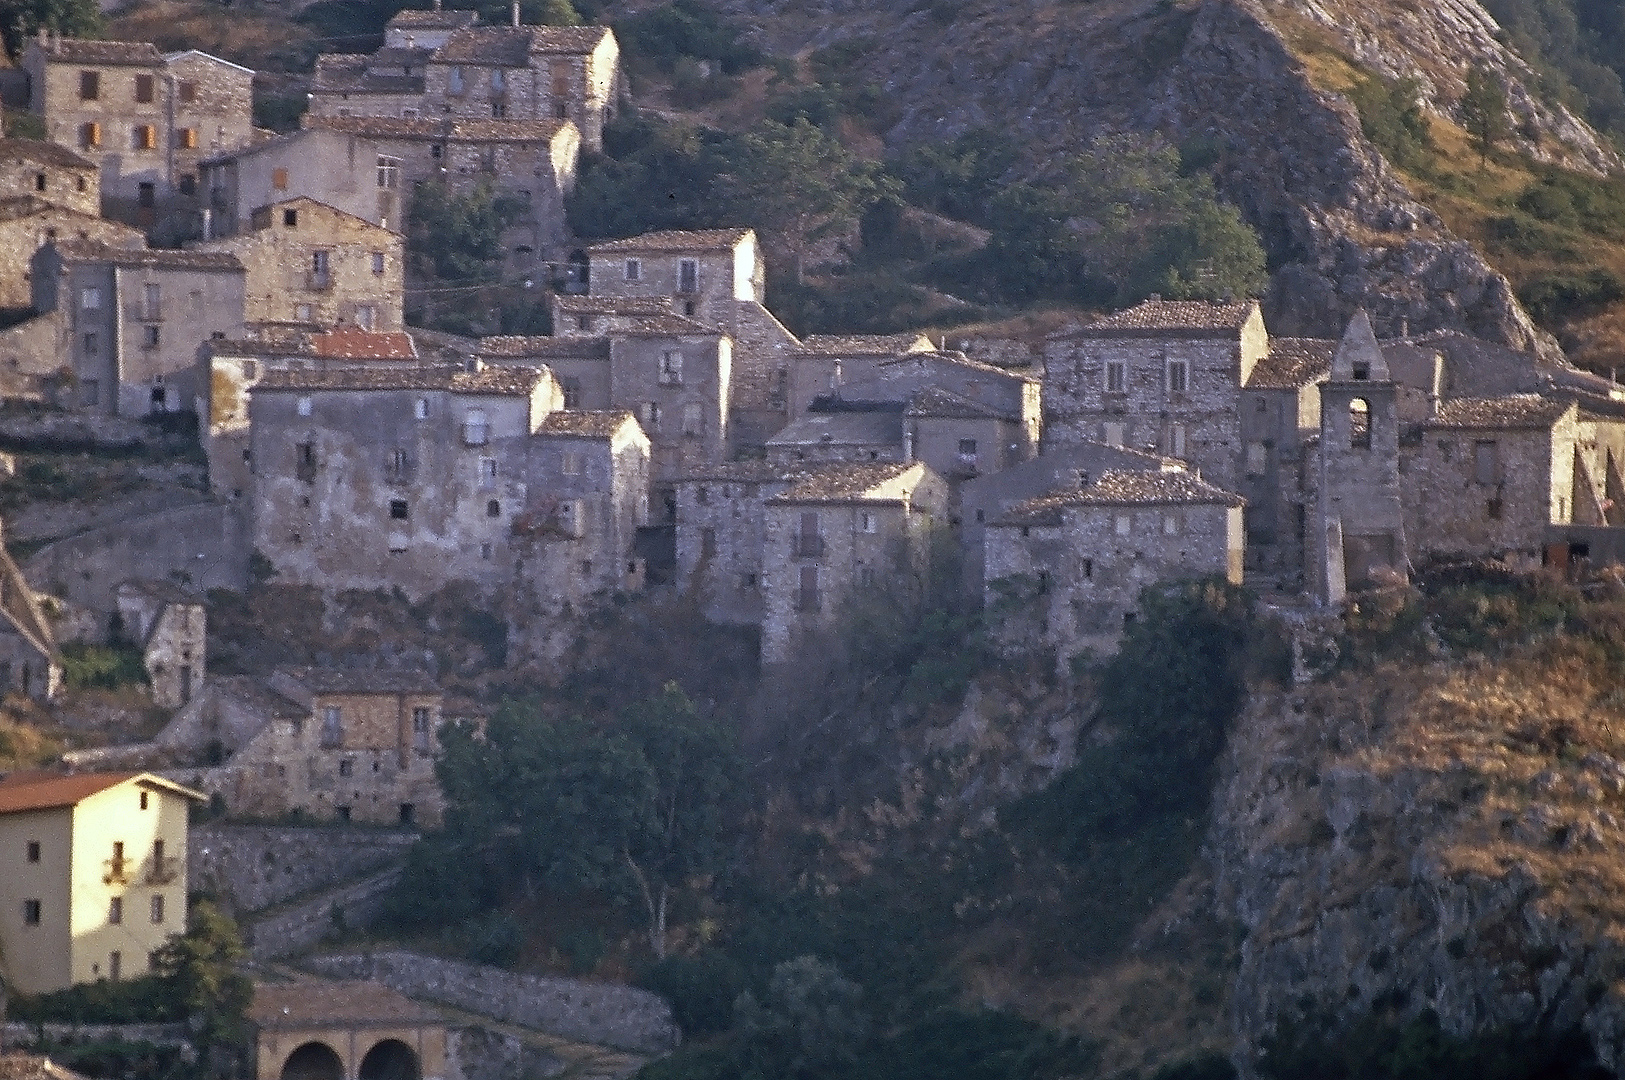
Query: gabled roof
[512,46]
[586,424]
[1122,487]
[1358,355]
[546,348]
[674,240]
[23,791]
[838,345]
[315,680]
[844,482]
[937,402]
[1197,318]
[85,51]
[45,153]
[18,207]
[92,251]
[1510,411]
[170,58]
[1291,363]
[857,427]
[437,19]
[504,381]
[611,305]
[667,325]
[346,73]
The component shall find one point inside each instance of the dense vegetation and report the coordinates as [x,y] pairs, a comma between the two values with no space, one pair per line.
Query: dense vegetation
[1578,47]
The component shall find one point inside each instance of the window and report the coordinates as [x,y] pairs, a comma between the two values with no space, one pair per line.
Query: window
[436,151]
[407,112]
[115,910]
[146,195]
[1359,424]
[967,452]
[570,388]
[400,462]
[290,219]
[485,551]
[143,89]
[807,594]
[1178,376]
[115,965]
[343,812]
[866,577]
[454,80]
[1115,434]
[634,270]
[346,767]
[151,300]
[320,262]
[671,368]
[1493,508]
[90,135]
[158,907]
[188,184]
[39,181]
[584,322]
[302,312]
[187,138]
[332,725]
[31,912]
[1176,440]
[389,172]
[572,464]
[187,92]
[149,337]
[279,180]
[398,510]
[1170,524]
[90,85]
[688,276]
[499,110]
[488,471]
[708,541]
[92,345]
[651,415]
[144,137]
[1116,377]
[366,316]
[693,420]
[475,431]
[33,851]
[302,407]
[90,299]
[1486,466]
[1123,524]
[158,851]
[702,495]
[493,509]
[866,522]
[378,262]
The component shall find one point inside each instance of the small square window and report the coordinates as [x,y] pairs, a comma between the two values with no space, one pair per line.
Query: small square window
[346,767]
[1116,377]
[31,912]
[90,85]
[188,92]
[33,851]
[397,509]
[290,219]
[302,406]
[378,262]
[149,337]
[634,270]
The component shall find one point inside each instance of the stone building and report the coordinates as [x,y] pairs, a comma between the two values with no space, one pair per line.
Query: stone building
[418,477]
[839,533]
[835,430]
[144,119]
[336,745]
[584,316]
[823,362]
[170,626]
[319,1030]
[309,263]
[1065,570]
[130,323]
[28,223]
[581,364]
[46,171]
[720,515]
[30,663]
[473,72]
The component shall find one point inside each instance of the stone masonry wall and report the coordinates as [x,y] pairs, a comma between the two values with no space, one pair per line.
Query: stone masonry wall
[253,867]
[299,926]
[602,1013]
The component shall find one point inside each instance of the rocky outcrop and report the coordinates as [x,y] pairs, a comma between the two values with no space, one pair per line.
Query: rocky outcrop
[1431,837]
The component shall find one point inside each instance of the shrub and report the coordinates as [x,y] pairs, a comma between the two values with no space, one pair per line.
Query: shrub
[103,667]
[495,938]
[1552,297]
[147,999]
[686,28]
[701,990]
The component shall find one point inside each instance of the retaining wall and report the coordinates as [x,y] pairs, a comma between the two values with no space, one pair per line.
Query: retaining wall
[299,925]
[253,867]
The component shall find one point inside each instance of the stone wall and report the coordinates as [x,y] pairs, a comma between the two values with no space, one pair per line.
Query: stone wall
[207,543]
[603,1013]
[253,867]
[19,1033]
[477,1053]
[300,925]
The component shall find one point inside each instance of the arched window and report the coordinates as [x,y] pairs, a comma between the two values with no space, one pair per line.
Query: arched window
[1359,424]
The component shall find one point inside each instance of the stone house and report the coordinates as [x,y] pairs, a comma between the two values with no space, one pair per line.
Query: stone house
[824,362]
[583,316]
[413,29]
[309,263]
[581,364]
[336,745]
[474,72]
[1163,376]
[96,879]
[55,174]
[1065,570]
[842,431]
[676,376]
[144,119]
[30,663]
[28,223]
[839,533]
[170,626]
[418,477]
[720,516]
[131,322]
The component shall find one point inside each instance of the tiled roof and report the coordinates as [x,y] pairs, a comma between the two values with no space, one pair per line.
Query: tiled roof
[935,401]
[863,344]
[566,39]
[1511,411]
[611,305]
[579,348]
[1194,317]
[170,58]
[741,472]
[674,240]
[949,357]
[83,51]
[23,206]
[1292,362]
[500,46]
[346,73]
[501,381]
[440,130]
[398,56]
[310,1003]
[360,680]
[47,790]
[352,344]
[45,153]
[158,258]
[438,19]
[258,697]
[667,325]
[1122,487]
[585,424]
[841,481]
[857,427]
[165,592]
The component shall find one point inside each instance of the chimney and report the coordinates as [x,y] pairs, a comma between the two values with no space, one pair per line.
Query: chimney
[513,12]
[1404,327]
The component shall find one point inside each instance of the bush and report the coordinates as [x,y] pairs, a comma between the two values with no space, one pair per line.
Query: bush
[701,990]
[686,28]
[1553,297]
[582,948]
[102,667]
[495,938]
[148,999]
[1392,118]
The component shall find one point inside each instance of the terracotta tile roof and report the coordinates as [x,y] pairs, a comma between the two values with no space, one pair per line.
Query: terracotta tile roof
[579,348]
[1511,411]
[438,130]
[158,258]
[45,153]
[667,325]
[501,381]
[863,344]
[841,482]
[309,1003]
[38,790]
[316,680]
[438,19]
[1293,362]
[83,51]
[585,424]
[1122,487]
[1177,317]
[347,343]
[674,240]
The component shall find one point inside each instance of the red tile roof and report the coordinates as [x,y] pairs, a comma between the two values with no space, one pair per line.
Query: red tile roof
[38,790]
[349,343]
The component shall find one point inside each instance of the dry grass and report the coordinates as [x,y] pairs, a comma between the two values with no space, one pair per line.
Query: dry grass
[253,39]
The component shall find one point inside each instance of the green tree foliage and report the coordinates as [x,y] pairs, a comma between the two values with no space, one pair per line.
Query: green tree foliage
[1578,47]
[660,36]
[812,1024]
[959,178]
[22,19]
[1484,112]
[1392,118]
[204,966]
[652,175]
[458,238]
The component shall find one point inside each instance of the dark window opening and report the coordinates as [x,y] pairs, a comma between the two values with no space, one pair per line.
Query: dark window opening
[290,218]
[398,509]
[493,509]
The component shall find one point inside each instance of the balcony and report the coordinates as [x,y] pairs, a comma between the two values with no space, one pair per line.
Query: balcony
[803,546]
[118,871]
[163,870]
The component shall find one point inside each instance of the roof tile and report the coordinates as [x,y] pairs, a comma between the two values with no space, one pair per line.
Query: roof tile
[585,424]
[1155,317]
[1510,411]
[674,240]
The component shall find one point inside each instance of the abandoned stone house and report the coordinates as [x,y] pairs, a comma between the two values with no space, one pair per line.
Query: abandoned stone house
[838,534]
[336,745]
[419,477]
[145,120]
[430,68]
[52,173]
[308,263]
[30,662]
[28,223]
[129,323]
[169,624]
[579,315]
[833,430]
[1065,570]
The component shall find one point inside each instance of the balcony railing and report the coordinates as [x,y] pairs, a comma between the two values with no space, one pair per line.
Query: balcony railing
[118,870]
[318,282]
[163,870]
[808,547]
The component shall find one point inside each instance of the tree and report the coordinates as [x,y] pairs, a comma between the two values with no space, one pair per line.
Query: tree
[800,186]
[813,1024]
[203,965]
[1484,112]
[458,238]
[21,19]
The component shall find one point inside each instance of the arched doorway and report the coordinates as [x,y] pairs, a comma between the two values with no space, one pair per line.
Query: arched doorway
[313,1061]
[390,1060]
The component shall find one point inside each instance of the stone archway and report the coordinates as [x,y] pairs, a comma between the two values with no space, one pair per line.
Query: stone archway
[313,1061]
[390,1059]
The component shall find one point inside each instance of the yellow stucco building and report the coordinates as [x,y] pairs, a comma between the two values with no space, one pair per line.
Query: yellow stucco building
[92,875]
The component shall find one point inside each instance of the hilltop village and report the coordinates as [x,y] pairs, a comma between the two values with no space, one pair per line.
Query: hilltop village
[165,258]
